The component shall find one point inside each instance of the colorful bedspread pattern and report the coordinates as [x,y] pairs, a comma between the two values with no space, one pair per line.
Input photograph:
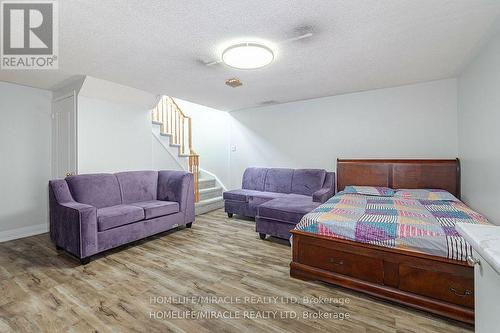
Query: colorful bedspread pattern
[401,223]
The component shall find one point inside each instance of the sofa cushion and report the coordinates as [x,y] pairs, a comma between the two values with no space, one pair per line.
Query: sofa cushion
[254,179]
[293,196]
[137,186]
[237,195]
[279,180]
[289,209]
[115,216]
[156,208]
[98,190]
[307,181]
[245,195]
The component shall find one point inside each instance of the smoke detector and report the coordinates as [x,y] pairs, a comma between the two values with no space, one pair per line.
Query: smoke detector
[234,82]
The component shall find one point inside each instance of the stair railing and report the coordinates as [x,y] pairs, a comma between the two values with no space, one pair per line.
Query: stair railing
[178,126]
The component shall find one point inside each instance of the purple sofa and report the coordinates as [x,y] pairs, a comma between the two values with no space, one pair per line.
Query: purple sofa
[96,212]
[278,198]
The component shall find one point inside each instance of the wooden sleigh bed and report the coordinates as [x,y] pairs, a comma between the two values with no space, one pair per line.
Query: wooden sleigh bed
[430,283]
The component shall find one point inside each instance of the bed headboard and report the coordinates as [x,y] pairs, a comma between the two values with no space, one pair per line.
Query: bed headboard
[439,174]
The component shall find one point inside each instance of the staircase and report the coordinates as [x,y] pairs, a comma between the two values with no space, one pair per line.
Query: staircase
[210,194]
[173,129]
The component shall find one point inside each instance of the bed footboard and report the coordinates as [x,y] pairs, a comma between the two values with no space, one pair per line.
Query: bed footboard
[438,285]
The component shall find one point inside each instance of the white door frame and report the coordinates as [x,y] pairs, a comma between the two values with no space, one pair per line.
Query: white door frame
[75,125]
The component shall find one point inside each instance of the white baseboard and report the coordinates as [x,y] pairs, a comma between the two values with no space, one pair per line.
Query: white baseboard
[32,230]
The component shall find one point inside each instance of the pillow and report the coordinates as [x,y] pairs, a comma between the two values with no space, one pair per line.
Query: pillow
[370,190]
[426,194]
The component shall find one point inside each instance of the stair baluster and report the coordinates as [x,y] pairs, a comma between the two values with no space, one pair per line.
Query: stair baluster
[173,122]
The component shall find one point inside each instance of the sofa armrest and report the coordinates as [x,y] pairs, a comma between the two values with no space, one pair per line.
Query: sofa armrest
[178,186]
[323,194]
[328,190]
[73,225]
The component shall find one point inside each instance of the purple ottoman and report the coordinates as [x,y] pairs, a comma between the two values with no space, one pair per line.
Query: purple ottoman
[278,216]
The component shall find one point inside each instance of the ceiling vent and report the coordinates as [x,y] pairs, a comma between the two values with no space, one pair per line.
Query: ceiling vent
[234,82]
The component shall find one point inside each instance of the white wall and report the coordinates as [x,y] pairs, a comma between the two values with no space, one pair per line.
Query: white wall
[25,154]
[164,155]
[479,131]
[114,128]
[413,121]
[112,137]
[69,86]
[210,137]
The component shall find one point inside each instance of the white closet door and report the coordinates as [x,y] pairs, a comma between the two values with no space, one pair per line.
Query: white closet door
[64,149]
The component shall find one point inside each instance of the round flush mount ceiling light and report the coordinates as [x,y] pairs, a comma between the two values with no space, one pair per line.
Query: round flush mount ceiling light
[247,56]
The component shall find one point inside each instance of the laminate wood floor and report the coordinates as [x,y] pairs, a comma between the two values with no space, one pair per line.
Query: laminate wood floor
[219,275]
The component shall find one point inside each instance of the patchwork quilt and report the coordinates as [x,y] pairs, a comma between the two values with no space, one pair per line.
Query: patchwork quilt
[425,226]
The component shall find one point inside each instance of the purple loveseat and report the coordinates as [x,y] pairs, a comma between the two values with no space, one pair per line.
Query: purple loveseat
[96,212]
[278,198]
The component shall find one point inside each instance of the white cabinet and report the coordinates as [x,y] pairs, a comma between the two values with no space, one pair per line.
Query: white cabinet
[487,297]
[485,240]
